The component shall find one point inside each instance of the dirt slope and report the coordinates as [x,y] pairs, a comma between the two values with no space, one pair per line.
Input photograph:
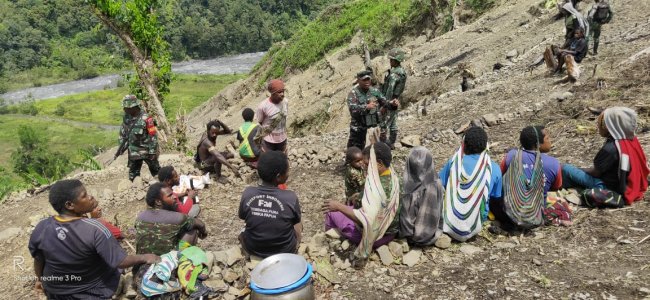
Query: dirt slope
[600,257]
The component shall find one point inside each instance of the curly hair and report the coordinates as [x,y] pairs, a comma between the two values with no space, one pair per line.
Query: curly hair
[382,152]
[272,164]
[475,140]
[154,193]
[63,191]
[248,114]
[531,137]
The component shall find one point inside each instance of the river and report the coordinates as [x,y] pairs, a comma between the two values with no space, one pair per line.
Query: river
[242,63]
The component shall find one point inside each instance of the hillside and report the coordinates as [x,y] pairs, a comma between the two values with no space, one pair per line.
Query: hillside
[603,256]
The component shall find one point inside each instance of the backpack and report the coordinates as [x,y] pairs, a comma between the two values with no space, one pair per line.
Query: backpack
[601,13]
[523,199]
[602,198]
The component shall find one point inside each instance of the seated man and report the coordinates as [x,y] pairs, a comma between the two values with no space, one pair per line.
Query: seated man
[272,215]
[249,150]
[376,222]
[161,228]
[185,201]
[209,159]
[571,53]
[471,181]
[529,173]
[78,249]
[620,166]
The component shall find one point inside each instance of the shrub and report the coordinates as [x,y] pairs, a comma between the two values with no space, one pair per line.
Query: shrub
[34,161]
[60,110]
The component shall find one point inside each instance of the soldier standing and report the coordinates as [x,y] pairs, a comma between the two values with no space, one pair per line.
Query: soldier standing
[392,89]
[364,103]
[600,14]
[138,136]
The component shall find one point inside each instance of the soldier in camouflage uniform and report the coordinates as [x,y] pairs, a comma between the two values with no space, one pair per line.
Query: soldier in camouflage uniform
[138,136]
[392,89]
[364,103]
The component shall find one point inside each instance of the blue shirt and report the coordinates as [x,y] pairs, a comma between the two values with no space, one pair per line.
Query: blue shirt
[469,162]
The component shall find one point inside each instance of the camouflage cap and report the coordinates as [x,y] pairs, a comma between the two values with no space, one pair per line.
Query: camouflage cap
[130,101]
[364,74]
[396,54]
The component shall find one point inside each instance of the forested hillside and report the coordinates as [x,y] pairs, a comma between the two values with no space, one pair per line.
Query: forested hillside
[47,41]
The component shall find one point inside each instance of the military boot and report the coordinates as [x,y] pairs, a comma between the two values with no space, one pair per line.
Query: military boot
[595,48]
[392,139]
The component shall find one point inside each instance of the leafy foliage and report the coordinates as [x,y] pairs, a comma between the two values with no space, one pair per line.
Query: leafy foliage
[337,24]
[34,162]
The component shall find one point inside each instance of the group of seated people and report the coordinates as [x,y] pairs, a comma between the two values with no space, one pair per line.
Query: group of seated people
[422,207]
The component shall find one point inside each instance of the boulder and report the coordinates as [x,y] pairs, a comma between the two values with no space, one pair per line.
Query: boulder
[490,119]
[233,255]
[412,258]
[512,54]
[412,140]
[333,234]
[123,185]
[395,249]
[385,255]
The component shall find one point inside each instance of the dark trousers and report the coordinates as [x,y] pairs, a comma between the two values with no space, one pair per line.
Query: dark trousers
[357,137]
[136,164]
[266,146]
[213,165]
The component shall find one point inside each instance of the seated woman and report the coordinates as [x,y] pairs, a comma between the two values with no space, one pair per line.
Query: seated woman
[77,249]
[620,166]
[377,221]
[529,173]
[471,181]
[421,200]
[272,215]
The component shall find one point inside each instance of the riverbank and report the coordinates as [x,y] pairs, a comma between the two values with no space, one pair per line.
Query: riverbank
[41,85]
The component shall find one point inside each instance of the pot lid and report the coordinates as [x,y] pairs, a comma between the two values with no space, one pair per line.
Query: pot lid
[279,270]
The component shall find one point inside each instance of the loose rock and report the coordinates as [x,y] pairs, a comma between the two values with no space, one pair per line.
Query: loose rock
[333,234]
[470,249]
[443,242]
[412,258]
[384,255]
[233,255]
[490,119]
[395,249]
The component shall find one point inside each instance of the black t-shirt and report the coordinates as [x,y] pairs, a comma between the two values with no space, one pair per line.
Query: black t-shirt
[81,257]
[270,214]
[607,162]
[580,47]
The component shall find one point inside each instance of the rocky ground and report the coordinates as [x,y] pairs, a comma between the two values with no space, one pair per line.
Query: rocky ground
[604,255]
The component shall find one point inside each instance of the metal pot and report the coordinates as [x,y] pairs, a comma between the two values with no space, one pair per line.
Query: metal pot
[282,276]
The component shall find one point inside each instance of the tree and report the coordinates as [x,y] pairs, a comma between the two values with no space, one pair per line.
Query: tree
[135,22]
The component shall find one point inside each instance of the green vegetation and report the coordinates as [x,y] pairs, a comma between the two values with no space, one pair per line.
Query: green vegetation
[54,127]
[44,42]
[103,107]
[380,20]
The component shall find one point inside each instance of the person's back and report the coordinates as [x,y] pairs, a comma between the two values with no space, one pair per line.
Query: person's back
[272,215]
[469,186]
[75,263]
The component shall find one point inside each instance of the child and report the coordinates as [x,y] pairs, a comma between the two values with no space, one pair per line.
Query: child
[189,205]
[249,150]
[77,249]
[272,215]
[354,176]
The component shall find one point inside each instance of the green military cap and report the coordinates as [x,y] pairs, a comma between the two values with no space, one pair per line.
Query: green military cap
[364,74]
[130,101]
[396,54]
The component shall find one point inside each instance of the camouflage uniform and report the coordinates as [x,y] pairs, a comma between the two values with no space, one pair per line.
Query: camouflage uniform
[160,238]
[361,118]
[392,88]
[597,20]
[141,144]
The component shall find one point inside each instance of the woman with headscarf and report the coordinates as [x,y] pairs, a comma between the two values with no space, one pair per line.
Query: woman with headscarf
[620,165]
[421,199]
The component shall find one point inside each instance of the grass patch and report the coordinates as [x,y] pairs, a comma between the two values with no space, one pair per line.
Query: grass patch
[104,107]
[380,20]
